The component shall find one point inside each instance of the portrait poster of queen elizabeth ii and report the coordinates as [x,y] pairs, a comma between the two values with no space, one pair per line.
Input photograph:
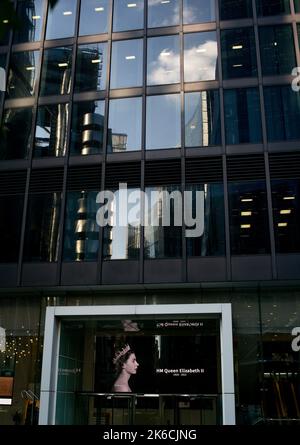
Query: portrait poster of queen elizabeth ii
[156,357]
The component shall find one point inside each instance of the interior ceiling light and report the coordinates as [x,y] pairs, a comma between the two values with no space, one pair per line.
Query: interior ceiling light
[36,17]
[130,57]
[245,226]
[289,198]
[284,224]
[246,213]
[285,212]
[62,65]
[131,5]
[67,13]
[247,200]
[99,9]
[237,47]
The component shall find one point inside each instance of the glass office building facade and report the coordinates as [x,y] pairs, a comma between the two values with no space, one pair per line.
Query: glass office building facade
[165,96]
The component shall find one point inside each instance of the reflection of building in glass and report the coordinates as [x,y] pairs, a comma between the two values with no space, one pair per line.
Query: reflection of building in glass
[86,229]
[92,133]
[202,130]
[91,59]
[119,141]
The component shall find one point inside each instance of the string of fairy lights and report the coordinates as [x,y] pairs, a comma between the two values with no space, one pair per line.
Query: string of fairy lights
[18,348]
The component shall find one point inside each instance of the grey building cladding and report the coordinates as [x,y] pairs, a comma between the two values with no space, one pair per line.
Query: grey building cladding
[177,95]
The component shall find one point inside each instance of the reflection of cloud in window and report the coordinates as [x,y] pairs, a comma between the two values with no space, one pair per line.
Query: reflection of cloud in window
[170,19]
[204,57]
[165,69]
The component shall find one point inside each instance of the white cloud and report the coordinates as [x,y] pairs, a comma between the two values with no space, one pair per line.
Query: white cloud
[200,62]
[165,69]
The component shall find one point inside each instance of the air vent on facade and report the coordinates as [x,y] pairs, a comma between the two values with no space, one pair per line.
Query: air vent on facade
[84,178]
[127,172]
[203,170]
[285,165]
[245,168]
[163,172]
[46,180]
[12,182]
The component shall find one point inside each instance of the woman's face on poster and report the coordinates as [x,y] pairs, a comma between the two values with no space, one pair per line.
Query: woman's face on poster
[131,365]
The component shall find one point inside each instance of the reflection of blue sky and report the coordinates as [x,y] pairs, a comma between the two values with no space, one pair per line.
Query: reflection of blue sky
[163,13]
[163,129]
[198,11]
[127,64]
[93,17]
[163,65]
[200,56]
[125,117]
[128,15]
[61,20]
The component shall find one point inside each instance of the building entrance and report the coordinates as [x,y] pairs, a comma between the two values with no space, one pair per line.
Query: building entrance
[156,365]
[150,409]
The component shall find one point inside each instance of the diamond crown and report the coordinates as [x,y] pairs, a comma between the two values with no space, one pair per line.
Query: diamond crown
[119,354]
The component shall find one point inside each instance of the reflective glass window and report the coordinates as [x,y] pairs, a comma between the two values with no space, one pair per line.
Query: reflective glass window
[42,227]
[163,128]
[81,232]
[163,60]
[61,20]
[56,71]
[198,11]
[297,6]
[277,49]
[282,107]
[279,315]
[200,56]
[16,133]
[238,53]
[235,9]
[22,75]
[91,67]
[211,240]
[10,227]
[94,17]
[125,124]
[162,239]
[87,128]
[122,241]
[127,64]
[202,119]
[128,15]
[272,7]
[286,214]
[248,218]
[51,130]
[30,14]
[242,116]
[163,13]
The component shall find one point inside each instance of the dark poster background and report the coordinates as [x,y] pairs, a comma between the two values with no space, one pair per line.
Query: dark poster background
[174,356]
